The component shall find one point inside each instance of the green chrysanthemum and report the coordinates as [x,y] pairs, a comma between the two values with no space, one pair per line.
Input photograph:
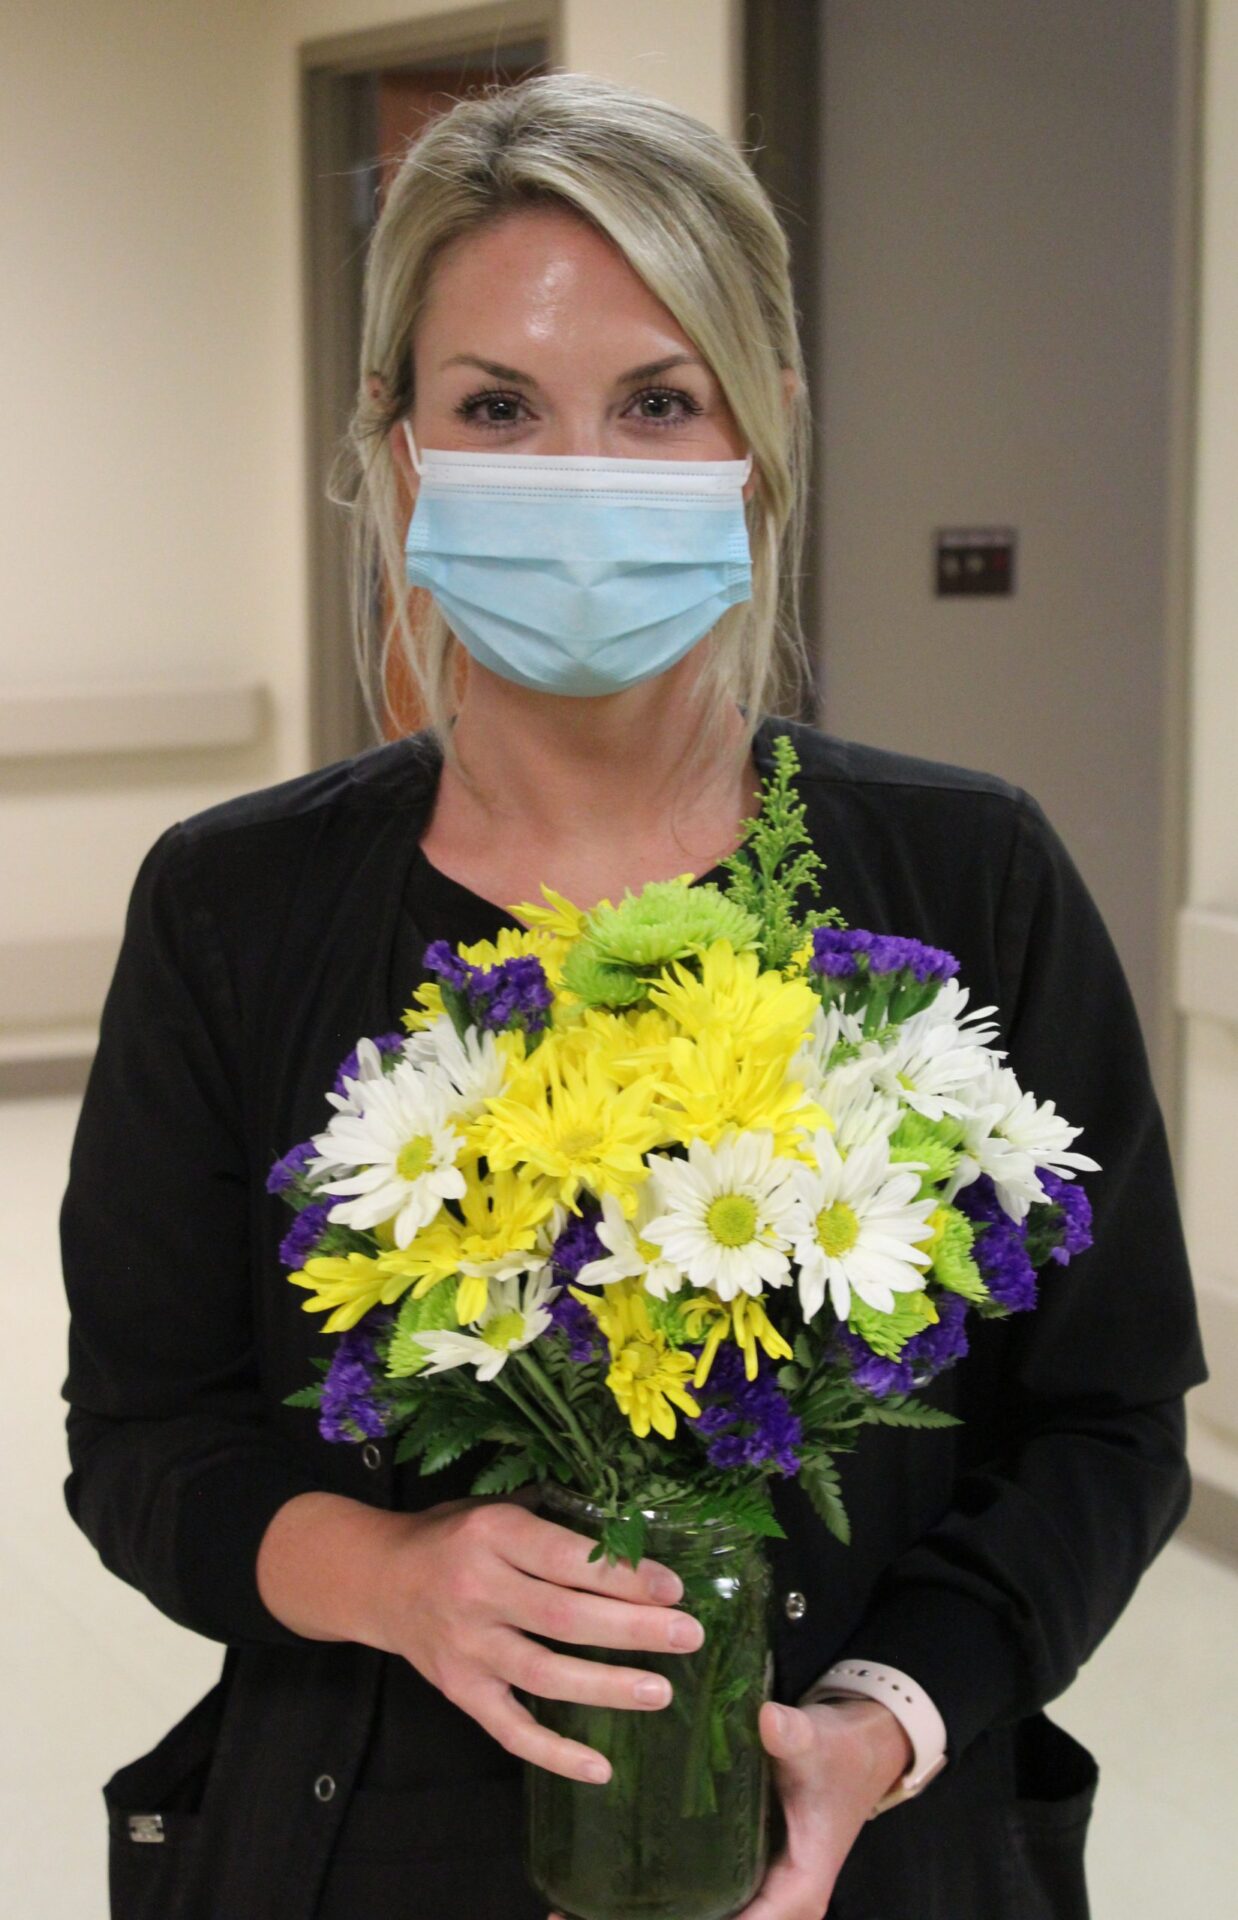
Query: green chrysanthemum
[666,921]
[666,1318]
[933,1141]
[434,1312]
[953,1265]
[623,948]
[599,983]
[888,1333]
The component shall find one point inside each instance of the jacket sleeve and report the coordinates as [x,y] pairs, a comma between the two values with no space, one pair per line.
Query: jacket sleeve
[174,1473]
[994,1610]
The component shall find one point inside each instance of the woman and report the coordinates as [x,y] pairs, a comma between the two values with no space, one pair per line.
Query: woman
[572,271]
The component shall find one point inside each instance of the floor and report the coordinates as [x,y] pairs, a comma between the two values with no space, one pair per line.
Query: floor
[93,1675]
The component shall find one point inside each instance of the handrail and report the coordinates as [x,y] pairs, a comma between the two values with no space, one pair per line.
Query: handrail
[1207,963]
[47,723]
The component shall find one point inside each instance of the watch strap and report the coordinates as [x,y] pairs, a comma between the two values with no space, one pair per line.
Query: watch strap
[911,1707]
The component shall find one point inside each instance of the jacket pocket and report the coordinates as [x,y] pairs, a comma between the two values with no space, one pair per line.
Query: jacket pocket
[1055,1783]
[154,1816]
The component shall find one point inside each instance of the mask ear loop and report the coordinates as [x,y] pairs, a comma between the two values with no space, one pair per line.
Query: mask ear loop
[412,446]
[747,469]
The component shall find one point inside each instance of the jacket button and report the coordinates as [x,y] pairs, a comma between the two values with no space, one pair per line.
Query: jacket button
[324,1787]
[371,1455]
[794,1605]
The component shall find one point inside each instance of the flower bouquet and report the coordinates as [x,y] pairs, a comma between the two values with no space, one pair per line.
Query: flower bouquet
[654,1206]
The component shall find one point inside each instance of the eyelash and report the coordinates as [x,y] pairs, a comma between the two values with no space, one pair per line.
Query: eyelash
[468,408]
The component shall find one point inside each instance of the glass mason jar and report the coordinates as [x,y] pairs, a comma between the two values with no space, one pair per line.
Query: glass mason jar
[680,1830]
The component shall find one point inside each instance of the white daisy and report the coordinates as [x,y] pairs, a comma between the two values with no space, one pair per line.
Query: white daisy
[402,1149]
[855,1226]
[726,1211]
[475,1065]
[932,1060]
[859,1109]
[830,1027]
[1008,1136]
[511,1320]
[369,1067]
[630,1253]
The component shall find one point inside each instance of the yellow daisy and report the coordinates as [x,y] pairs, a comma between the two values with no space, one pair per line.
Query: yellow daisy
[744,1318]
[714,1082]
[630,1043]
[344,1286]
[648,1378]
[574,1125]
[735,996]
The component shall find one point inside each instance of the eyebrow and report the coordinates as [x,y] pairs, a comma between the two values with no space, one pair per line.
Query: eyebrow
[647,372]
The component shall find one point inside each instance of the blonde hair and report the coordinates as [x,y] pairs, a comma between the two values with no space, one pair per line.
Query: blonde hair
[684,207]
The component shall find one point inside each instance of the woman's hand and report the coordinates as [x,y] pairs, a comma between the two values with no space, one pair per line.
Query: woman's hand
[832,1763]
[831,1766]
[456,1590]
[472,1579]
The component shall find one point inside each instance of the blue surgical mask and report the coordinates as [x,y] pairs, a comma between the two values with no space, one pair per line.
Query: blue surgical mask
[578,574]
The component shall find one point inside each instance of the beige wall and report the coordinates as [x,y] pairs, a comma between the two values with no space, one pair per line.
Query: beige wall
[1000,206]
[1211,1057]
[151,389]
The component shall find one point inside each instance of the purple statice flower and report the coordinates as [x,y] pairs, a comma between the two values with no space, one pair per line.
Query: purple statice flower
[577,1324]
[516,992]
[512,993]
[349,1409]
[838,952]
[891,953]
[749,1423]
[1000,1247]
[938,1347]
[287,1171]
[926,1354]
[575,1247]
[1076,1214]
[872,1372]
[304,1234]
[441,958]
[350,1066]
[834,951]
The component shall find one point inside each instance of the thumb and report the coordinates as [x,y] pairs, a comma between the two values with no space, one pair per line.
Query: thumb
[786,1731]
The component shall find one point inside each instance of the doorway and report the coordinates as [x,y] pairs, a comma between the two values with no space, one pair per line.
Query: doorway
[365,98]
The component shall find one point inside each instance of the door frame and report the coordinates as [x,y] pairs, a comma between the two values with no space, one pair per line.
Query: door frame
[339,174]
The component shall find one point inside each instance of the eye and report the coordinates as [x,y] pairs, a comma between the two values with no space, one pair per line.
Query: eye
[662,396]
[475,408]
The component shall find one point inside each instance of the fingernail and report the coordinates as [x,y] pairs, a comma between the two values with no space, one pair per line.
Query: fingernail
[653,1692]
[666,1587]
[779,1719]
[685,1633]
[598,1770]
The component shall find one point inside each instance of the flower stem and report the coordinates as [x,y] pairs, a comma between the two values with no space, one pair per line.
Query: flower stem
[552,1394]
[517,1398]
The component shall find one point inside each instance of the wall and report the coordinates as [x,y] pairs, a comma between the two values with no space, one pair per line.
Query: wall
[999,195]
[1210,1083]
[151,381]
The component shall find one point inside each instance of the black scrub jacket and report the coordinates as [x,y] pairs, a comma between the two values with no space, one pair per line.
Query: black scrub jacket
[989,1560]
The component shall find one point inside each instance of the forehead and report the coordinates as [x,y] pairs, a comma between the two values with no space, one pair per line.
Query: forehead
[542,275]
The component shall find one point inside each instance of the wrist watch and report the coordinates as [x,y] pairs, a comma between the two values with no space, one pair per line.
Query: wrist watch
[911,1707]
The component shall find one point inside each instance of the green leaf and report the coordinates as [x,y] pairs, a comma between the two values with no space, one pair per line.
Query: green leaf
[897,1412]
[503,1475]
[304,1397]
[767,873]
[819,1478]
